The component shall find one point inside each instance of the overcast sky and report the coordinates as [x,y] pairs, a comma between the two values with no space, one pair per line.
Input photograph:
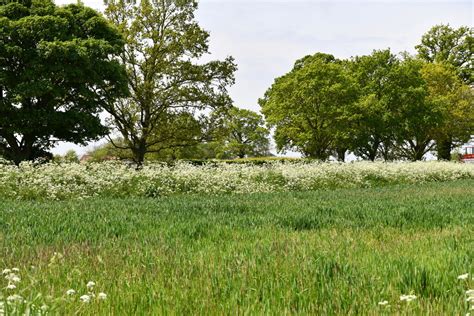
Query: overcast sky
[266,36]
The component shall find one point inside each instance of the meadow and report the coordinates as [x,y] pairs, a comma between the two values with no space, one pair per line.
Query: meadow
[401,249]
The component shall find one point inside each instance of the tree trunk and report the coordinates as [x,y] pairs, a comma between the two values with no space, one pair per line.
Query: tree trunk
[444,147]
[418,154]
[139,152]
[17,152]
[385,150]
[372,155]
[374,150]
[418,150]
[341,154]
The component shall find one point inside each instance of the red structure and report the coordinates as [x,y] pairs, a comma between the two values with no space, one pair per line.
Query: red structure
[468,154]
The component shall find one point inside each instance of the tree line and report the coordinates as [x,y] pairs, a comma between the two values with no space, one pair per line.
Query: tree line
[376,106]
[141,63]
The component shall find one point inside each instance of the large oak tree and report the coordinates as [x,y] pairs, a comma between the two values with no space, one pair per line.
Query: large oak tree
[56,72]
[164,44]
[445,45]
[310,107]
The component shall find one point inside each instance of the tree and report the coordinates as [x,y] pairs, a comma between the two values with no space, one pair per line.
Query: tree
[71,156]
[56,73]
[107,151]
[444,44]
[456,103]
[239,133]
[308,107]
[373,130]
[417,117]
[163,45]
[177,134]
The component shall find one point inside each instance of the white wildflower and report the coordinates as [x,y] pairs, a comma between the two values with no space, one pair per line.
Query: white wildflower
[463,276]
[407,298]
[85,298]
[44,307]
[11,286]
[70,292]
[6,271]
[383,303]
[15,270]
[102,296]
[470,299]
[15,297]
[90,284]
[470,292]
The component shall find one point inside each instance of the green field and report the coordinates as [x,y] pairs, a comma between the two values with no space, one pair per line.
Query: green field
[334,252]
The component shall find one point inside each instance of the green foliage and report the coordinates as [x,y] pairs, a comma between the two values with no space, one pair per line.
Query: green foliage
[378,106]
[238,133]
[455,101]
[69,157]
[444,44]
[309,106]
[56,74]
[317,253]
[168,86]
[374,126]
[416,116]
[108,151]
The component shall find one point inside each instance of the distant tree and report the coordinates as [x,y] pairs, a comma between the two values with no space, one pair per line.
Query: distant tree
[374,126]
[444,44]
[308,107]
[163,44]
[71,156]
[108,151]
[56,72]
[239,133]
[455,101]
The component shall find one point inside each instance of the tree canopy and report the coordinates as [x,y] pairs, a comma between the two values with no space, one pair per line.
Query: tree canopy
[455,101]
[56,73]
[163,46]
[308,107]
[444,44]
[373,129]
[239,133]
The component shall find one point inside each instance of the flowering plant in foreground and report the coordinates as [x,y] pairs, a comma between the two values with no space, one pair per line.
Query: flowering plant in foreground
[13,301]
[114,179]
[411,297]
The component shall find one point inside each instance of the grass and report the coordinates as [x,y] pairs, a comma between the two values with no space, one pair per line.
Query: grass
[325,252]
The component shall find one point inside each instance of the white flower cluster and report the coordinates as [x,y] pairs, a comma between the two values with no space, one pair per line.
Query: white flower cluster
[87,298]
[114,179]
[407,298]
[12,299]
[12,303]
[410,297]
[469,293]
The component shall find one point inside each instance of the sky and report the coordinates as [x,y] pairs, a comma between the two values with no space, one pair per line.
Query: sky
[266,37]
